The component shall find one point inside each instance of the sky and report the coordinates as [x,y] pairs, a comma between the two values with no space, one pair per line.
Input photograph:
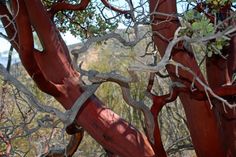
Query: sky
[4,45]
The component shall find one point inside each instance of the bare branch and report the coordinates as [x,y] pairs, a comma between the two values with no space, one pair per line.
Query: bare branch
[166,60]
[31,98]
[111,35]
[206,86]
[72,113]
[68,117]
[123,82]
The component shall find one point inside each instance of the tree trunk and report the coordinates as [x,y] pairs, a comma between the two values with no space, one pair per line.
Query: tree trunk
[202,122]
[53,73]
[225,116]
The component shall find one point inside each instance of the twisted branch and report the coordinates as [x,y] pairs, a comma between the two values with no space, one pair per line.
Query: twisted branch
[123,82]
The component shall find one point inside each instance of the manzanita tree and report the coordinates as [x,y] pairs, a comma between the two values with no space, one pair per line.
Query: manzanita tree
[205,28]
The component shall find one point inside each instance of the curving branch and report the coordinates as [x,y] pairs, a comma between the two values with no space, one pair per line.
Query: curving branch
[108,5]
[71,114]
[30,97]
[209,92]
[166,60]
[90,41]
[111,35]
[224,92]
[26,50]
[158,103]
[68,117]
[171,45]
[123,82]
[60,6]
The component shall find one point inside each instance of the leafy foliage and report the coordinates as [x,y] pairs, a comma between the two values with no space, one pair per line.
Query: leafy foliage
[198,25]
[85,23]
[214,3]
[218,3]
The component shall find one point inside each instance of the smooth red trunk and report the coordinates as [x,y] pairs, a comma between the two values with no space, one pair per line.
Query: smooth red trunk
[202,123]
[225,116]
[53,73]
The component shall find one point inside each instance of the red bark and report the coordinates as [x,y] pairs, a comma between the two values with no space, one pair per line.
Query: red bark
[212,131]
[108,5]
[53,73]
[60,6]
[227,117]
[202,123]
[231,60]
[158,103]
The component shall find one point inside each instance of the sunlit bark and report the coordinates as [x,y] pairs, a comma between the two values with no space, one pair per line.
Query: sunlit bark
[212,130]
[52,71]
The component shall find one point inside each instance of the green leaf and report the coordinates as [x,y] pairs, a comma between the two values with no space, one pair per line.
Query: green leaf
[209,54]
